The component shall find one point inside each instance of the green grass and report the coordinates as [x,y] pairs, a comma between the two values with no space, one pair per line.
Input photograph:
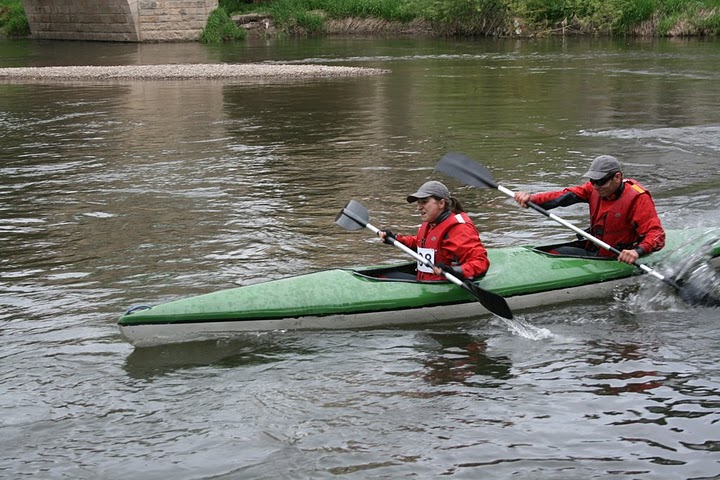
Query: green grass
[467,17]
[220,28]
[495,17]
[309,15]
[708,25]
[13,22]
[392,10]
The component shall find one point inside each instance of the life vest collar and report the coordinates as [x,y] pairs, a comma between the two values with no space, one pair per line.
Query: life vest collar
[441,218]
[616,194]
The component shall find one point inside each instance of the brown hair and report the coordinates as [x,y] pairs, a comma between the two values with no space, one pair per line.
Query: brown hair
[453,204]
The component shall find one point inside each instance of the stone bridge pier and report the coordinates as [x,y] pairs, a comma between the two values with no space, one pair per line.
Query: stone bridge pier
[118,20]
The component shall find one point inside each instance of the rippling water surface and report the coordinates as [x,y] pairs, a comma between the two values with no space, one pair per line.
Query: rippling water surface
[114,194]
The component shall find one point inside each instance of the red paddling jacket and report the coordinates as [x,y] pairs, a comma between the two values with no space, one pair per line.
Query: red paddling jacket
[625,220]
[453,241]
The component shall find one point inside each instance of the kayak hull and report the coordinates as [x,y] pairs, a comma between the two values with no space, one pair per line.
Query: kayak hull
[361,298]
[151,334]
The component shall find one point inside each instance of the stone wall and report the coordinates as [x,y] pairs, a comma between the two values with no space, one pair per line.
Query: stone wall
[118,20]
[173,20]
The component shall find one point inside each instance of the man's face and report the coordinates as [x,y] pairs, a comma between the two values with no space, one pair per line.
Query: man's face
[607,185]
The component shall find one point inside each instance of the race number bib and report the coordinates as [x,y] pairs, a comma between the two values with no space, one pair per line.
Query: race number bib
[427,254]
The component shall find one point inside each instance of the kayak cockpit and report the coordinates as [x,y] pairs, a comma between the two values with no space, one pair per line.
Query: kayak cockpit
[404,272]
[580,244]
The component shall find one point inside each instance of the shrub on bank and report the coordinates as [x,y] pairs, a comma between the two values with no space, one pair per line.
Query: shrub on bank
[13,22]
[220,28]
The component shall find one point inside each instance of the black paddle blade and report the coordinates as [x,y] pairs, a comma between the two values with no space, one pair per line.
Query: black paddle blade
[465,169]
[491,301]
[353,217]
[696,273]
[699,297]
[699,285]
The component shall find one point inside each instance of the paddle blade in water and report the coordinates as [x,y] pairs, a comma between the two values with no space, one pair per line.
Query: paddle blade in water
[696,277]
[465,169]
[699,297]
[701,287]
[492,301]
[353,217]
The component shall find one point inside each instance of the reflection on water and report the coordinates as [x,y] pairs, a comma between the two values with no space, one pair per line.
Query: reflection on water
[603,352]
[146,363]
[462,358]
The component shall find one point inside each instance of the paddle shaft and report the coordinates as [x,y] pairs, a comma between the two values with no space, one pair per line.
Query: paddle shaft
[405,249]
[582,232]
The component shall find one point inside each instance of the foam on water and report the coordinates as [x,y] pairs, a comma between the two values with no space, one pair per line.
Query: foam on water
[522,327]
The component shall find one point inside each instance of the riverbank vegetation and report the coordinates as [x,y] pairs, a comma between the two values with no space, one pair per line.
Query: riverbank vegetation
[13,22]
[489,17]
[221,28]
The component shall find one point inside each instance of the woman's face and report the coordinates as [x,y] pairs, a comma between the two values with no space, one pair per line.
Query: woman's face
[429,208]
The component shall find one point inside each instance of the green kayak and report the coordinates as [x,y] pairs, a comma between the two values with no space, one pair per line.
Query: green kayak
[372,297]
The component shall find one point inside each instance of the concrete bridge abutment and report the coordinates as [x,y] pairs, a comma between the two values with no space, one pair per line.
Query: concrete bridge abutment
[118,20]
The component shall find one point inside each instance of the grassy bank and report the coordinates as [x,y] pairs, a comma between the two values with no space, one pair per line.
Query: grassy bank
[13,22]
[499,17]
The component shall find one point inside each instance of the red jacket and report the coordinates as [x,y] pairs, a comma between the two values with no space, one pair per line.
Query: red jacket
[625,220]
[454,241]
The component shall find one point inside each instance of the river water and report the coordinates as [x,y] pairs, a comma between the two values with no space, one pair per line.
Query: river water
[119,193]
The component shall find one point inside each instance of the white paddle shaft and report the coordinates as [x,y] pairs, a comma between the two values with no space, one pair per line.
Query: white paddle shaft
[417,256]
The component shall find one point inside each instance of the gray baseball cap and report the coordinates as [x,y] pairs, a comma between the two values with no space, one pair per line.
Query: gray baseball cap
[430,189]
[601,166]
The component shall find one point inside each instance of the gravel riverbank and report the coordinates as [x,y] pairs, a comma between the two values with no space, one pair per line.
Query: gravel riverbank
[183,71]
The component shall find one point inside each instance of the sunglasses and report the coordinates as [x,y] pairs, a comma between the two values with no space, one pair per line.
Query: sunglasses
[603,180]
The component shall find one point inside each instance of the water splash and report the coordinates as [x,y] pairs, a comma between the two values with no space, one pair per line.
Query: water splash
[701,285]
[699,280]
[690,266]
[521,327]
